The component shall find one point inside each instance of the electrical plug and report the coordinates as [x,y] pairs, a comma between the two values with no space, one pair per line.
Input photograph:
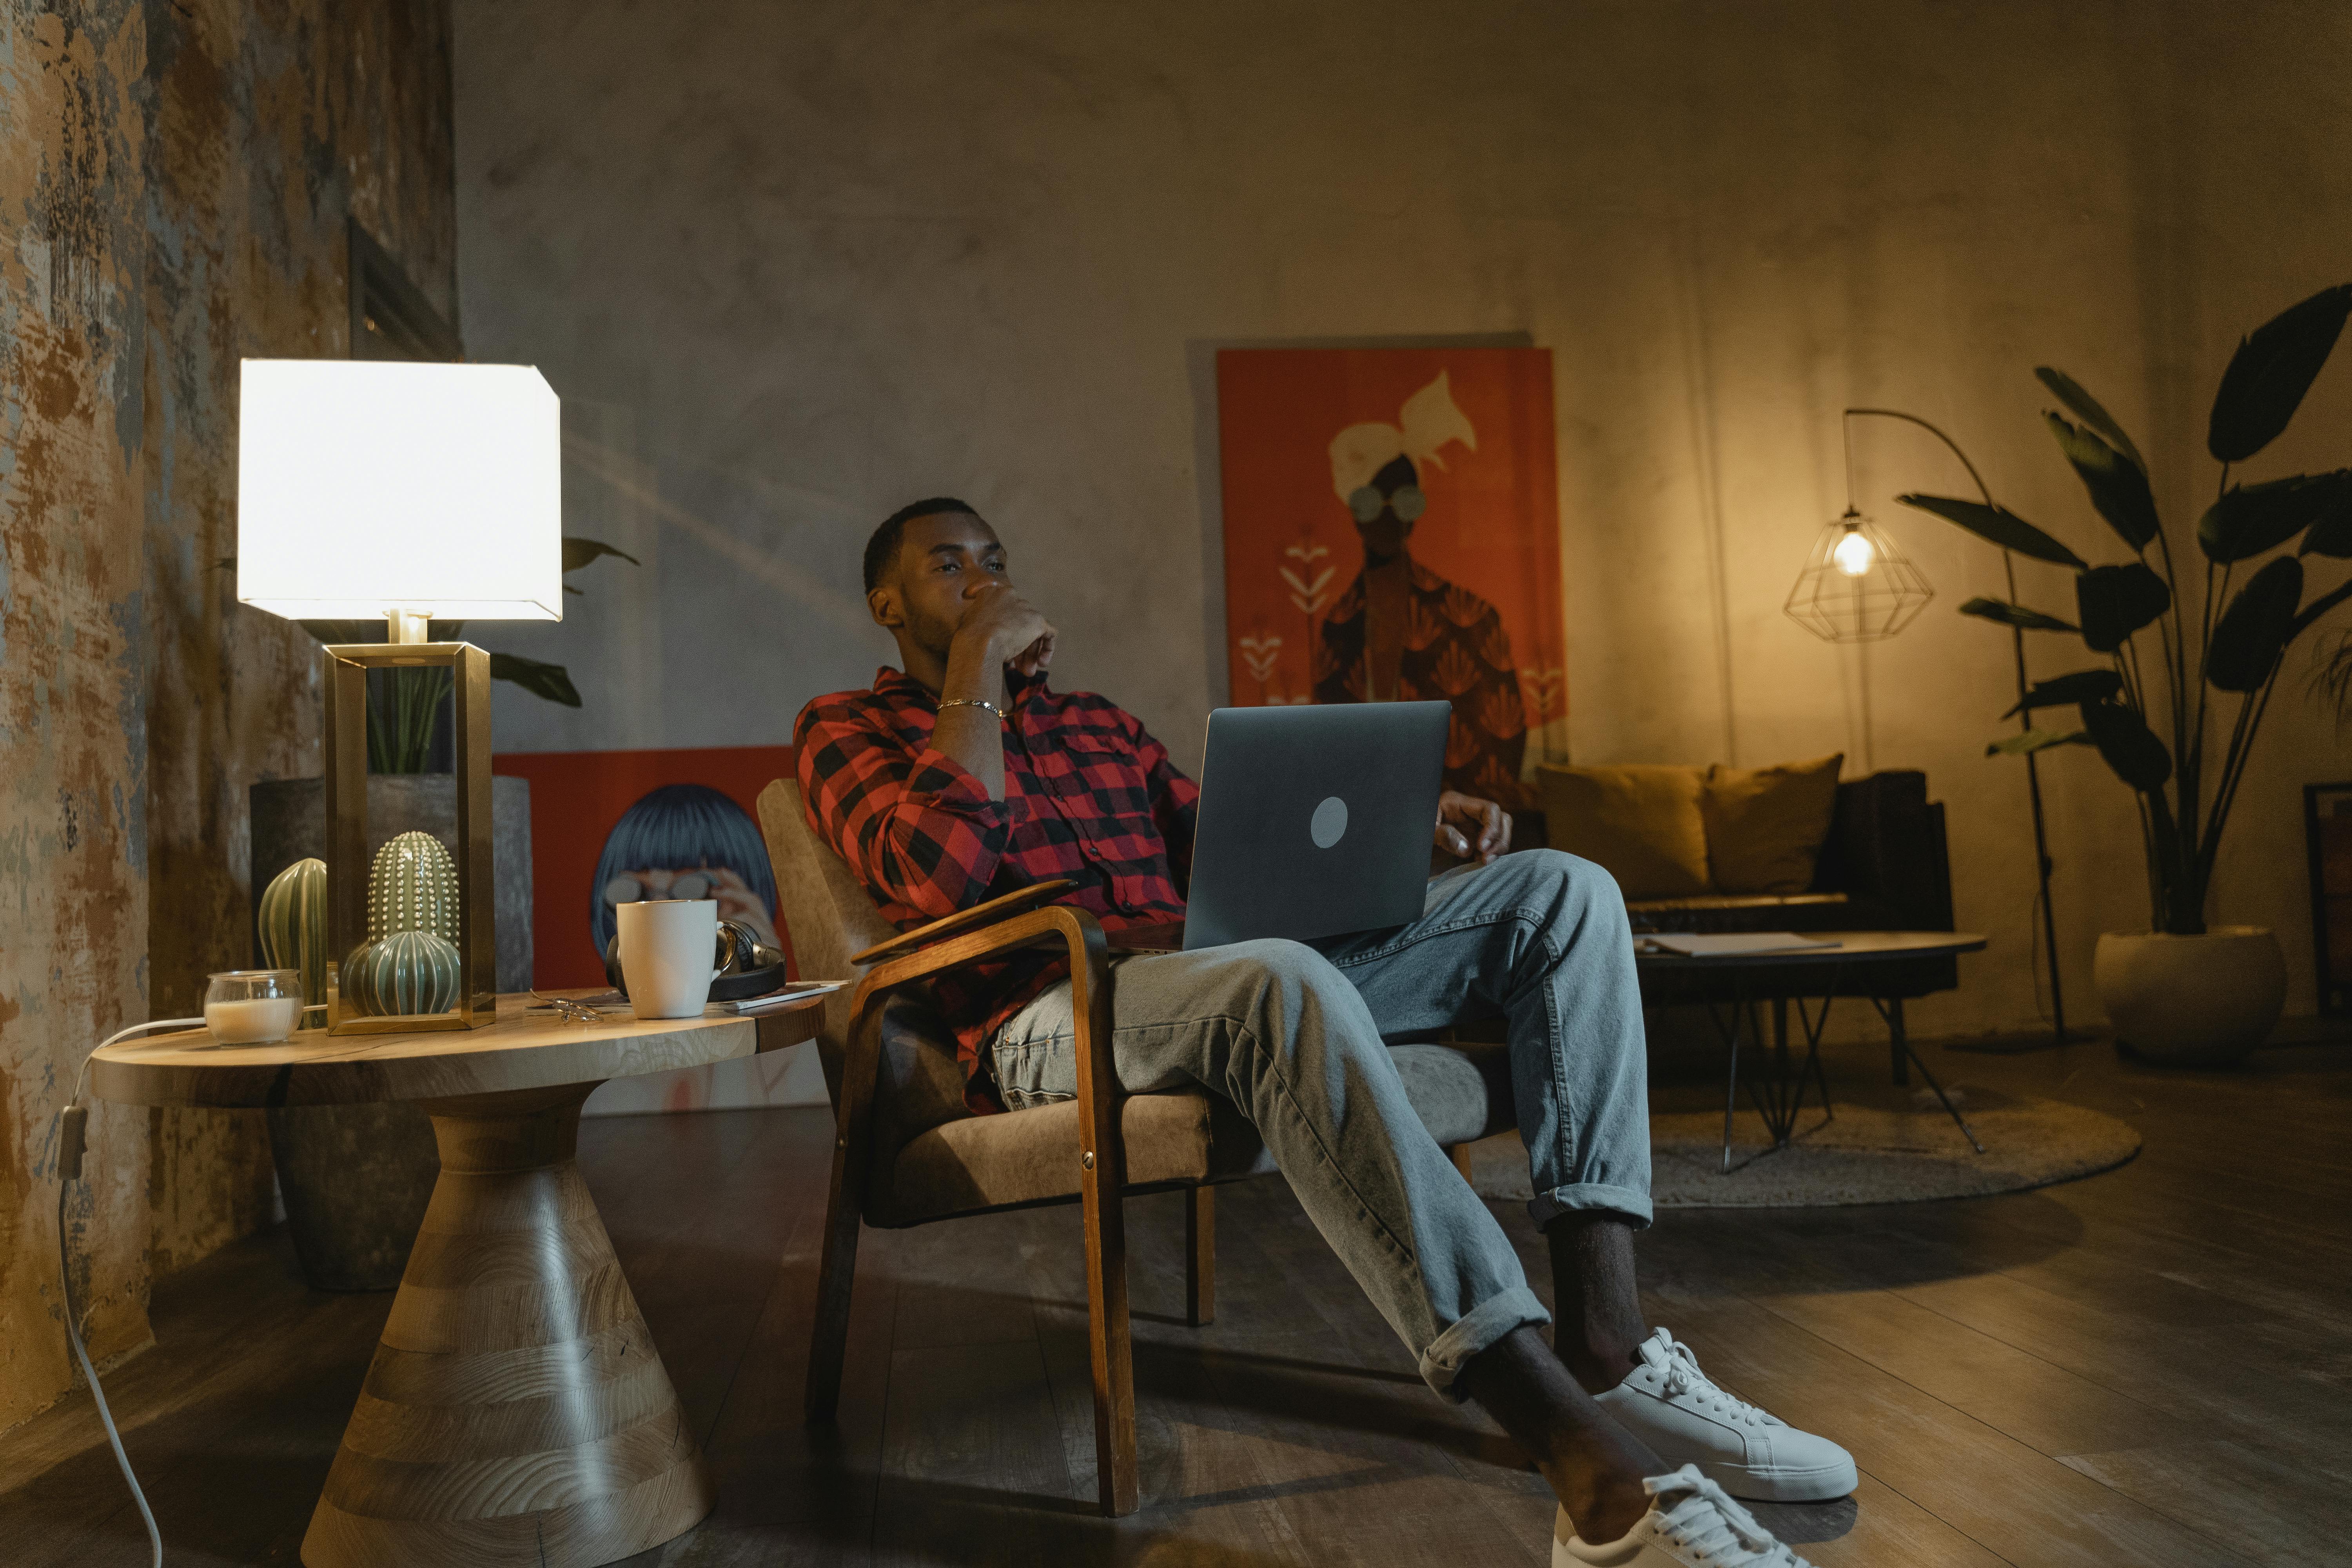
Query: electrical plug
[73,1136]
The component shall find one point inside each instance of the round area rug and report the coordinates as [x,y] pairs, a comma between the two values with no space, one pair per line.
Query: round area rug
[1885,1152]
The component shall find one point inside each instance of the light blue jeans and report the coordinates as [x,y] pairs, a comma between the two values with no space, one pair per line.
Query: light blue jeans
[1292,1033]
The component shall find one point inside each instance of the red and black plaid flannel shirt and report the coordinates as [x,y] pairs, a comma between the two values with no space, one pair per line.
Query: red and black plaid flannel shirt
[1087,795]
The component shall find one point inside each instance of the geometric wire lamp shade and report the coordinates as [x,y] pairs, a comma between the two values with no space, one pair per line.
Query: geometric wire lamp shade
[367,487]
[1856,587]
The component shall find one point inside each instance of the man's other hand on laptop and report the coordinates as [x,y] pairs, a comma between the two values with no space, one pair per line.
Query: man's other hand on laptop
[1469,828]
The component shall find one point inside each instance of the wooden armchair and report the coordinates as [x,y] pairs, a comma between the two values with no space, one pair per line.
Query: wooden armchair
[909,1152]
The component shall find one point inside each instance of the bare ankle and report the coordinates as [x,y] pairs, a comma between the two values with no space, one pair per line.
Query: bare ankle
[1595,1467]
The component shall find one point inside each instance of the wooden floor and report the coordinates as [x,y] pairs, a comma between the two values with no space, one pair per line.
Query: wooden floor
[2151,1367]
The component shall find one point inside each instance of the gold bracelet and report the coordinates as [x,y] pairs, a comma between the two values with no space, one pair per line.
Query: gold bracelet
[972,702]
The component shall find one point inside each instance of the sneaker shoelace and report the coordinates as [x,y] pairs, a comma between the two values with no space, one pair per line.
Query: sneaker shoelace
[1684,1377]
[1713,1528]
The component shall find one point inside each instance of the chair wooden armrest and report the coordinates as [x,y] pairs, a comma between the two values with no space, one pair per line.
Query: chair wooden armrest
[1101,1155]
[1002,907]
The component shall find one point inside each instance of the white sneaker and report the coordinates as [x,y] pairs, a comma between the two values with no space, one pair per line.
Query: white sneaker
[1669,1403]
[1691,1524]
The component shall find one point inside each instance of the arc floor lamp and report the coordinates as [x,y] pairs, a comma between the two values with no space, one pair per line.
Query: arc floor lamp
[1856,587]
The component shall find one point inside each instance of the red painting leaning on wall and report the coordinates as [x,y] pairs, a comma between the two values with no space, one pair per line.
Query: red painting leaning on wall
[1392,533]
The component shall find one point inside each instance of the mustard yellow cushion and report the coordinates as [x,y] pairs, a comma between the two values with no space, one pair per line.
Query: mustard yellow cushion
[1765,826]
[1639,821]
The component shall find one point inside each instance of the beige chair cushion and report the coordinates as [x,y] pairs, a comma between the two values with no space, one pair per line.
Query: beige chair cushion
[965,1164]
[1638,821]
[1765,826]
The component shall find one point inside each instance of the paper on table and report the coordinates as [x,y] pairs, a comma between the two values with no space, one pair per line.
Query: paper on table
[798,991]
[1684,945]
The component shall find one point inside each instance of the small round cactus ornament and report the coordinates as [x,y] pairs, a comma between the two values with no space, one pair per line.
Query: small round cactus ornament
[402,972]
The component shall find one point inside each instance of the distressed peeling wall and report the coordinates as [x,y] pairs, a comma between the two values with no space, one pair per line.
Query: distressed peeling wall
[73,866]
[175,182]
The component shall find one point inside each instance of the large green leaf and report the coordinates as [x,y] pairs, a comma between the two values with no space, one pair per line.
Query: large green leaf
[2271,371]
[551,681]
[1999,525]
[2130,748]
[2331,532]
[578,553]
[2252,631]
[2116,601]
[2251,519]
[2026,742]
[2318,607]
[2086,408]
[2082,686]
[2118,488]
[2011,614]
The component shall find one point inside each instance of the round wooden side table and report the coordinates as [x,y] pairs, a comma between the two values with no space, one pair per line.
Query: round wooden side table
[517,1410]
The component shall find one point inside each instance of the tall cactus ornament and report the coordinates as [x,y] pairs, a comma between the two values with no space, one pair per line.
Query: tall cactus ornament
[413,887]
[293,923]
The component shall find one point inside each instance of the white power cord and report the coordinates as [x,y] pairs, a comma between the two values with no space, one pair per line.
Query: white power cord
[73,1138]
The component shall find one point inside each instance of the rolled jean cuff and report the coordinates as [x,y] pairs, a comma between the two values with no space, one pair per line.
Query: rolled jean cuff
[1546,1207]
[1489,1320]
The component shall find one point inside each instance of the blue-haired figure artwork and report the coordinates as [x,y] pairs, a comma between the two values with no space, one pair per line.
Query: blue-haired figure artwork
[686,841]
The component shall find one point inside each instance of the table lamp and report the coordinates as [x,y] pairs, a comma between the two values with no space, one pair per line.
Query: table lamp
[416,492]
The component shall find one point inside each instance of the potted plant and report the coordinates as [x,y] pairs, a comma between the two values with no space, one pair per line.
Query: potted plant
[2177,705]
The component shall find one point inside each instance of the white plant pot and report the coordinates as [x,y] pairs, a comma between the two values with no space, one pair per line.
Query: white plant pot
[2193,1001]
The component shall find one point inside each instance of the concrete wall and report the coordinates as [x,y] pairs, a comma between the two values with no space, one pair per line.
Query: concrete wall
[798,264]
[175,180]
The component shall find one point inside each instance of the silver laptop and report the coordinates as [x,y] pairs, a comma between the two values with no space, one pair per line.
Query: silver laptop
[1314,820]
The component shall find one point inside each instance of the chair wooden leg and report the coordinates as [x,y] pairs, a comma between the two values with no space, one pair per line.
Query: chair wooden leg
[829,1336]
[1898,1046]
[1461,1156]
[1108,1352]
[1200,1255]
[1102,1160]
[845,1208]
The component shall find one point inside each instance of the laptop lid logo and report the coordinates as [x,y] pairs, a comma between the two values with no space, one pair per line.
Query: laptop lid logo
[1330,823]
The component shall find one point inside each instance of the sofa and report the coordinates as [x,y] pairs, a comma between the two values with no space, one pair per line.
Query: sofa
[1882,866]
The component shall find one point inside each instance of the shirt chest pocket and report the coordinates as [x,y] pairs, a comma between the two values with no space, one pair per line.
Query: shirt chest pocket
[1099,776]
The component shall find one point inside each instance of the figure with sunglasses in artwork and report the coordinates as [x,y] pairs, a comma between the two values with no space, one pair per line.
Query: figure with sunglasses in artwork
[1402,633]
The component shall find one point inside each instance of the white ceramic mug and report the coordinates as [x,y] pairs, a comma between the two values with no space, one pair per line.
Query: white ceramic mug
[667,948]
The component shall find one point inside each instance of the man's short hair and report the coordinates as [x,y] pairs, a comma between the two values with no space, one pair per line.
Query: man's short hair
[882,550]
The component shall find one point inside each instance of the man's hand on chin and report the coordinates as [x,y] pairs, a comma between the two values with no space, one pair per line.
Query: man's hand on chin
[1469,828]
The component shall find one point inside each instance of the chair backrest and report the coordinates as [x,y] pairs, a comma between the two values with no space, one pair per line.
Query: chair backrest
[823,907]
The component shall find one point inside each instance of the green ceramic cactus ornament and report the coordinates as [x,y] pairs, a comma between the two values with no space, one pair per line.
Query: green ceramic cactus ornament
[413,887]
[402,973]
[293,921]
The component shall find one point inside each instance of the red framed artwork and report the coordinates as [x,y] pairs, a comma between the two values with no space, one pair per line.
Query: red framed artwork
[1391,532]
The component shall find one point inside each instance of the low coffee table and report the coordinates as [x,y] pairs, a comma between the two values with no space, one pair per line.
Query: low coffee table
[517,1410]
[1732,979]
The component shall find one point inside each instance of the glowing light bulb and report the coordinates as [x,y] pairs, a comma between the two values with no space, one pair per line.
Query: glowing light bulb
[1854,553]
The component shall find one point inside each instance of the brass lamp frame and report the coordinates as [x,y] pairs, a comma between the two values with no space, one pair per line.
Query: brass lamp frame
[348,862]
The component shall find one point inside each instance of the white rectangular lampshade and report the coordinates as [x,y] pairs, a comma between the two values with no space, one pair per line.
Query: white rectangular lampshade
[365,487]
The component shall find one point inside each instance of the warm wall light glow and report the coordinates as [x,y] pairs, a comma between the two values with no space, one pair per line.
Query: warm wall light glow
[1854,553]
[365,487]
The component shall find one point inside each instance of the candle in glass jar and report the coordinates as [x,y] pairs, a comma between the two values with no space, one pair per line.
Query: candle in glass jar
[256,1021]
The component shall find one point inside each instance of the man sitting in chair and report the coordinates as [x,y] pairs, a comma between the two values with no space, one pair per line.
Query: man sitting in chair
[965,776]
